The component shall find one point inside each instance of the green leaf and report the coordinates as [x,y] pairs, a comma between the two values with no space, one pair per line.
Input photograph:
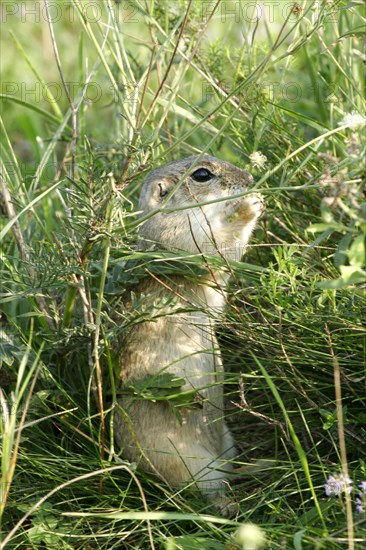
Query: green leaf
[298,538]
[331,418]
[160,381]
[323,226]
[350,276]
[357,252]
[163,387]
[51,118]
[311,516]
[340,257]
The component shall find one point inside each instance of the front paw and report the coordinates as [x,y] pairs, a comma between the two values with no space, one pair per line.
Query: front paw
[253,202]
[246,208]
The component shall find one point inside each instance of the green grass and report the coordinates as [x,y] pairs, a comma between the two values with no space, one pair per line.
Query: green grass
[287,83]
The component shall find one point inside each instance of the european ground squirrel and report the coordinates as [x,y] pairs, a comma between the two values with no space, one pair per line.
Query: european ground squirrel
[194,447]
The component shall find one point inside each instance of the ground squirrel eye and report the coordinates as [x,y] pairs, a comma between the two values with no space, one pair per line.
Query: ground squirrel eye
[202,175]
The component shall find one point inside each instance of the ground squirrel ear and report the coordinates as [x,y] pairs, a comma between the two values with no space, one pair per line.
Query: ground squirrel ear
[163,189]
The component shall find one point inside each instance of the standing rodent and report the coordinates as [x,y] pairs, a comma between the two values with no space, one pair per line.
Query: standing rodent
[195,447]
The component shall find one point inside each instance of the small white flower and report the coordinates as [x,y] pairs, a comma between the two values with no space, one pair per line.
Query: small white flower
[354,120]
[258,160]
[250,536]
[337,484]
[359,506]
[361,500]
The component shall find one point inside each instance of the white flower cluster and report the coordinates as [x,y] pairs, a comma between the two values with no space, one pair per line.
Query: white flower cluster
[258,160]
[341,483]
[361,499]
[354,120]
[337,484]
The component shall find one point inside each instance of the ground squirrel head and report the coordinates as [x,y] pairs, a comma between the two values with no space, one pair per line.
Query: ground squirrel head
[222,227]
